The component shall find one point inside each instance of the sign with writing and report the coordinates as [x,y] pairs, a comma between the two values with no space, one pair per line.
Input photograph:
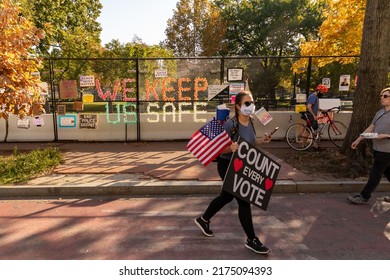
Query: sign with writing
[161,73]
[88,121]
[38,121]
[24,123]
[263,115]
[67,121]
[68,89]
[251,175]
[345,81]
[235,74]
[218,92]
[87,81]
[235,88]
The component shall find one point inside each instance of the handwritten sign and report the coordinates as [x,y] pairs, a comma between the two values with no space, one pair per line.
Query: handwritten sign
[87,81]
[235,74]
[88,121]
[251,175]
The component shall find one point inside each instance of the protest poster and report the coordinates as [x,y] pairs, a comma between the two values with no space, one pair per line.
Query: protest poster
[88,121]
[68,89]
[251,175]
[263,115]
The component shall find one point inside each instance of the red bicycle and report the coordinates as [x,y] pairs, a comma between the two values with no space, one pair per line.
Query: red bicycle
[300,136]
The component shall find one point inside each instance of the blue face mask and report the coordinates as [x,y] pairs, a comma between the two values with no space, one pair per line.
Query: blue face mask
[248,110]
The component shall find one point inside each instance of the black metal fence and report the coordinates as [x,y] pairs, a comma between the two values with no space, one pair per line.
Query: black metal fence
[133,86]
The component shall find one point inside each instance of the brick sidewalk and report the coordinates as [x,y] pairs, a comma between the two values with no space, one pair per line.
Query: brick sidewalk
[161,160]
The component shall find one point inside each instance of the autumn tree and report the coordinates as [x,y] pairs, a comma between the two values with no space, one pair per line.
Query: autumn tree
[195,29]
[372,77]
[18,88]
[268,28]
[340,34]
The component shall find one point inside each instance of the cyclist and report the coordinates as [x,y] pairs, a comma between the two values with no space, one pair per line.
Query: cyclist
[312,107]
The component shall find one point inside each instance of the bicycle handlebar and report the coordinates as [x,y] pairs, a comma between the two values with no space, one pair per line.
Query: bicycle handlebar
[334,109]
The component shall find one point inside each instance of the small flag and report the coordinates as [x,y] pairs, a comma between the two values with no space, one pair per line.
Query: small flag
[208,142]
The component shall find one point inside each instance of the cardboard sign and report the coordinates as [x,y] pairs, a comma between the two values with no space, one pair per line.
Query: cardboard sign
[88,121]
[68,89]
[251,175]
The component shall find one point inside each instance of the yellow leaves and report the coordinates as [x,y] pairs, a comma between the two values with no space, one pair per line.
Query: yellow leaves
[17,37]
[340,33]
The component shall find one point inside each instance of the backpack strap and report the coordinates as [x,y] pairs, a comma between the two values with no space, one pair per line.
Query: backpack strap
[236,126]
[253,124]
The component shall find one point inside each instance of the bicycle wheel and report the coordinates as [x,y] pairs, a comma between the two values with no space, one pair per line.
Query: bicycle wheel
[337,131]
[299,137]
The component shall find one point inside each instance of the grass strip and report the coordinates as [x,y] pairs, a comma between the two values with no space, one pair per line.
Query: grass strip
[21,167]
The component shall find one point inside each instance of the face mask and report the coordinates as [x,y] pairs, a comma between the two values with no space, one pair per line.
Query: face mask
[248,110]
[320,94]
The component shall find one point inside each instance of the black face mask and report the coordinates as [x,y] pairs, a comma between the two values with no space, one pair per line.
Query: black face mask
[320,94]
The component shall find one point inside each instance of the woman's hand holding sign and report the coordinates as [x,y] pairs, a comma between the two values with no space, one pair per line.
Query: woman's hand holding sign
[234,147]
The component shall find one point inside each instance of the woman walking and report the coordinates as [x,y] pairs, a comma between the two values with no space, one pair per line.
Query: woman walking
[241,125]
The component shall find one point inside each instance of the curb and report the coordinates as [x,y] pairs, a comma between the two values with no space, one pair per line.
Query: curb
[174,188]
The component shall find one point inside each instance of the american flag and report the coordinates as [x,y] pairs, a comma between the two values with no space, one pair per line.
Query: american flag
[208,142]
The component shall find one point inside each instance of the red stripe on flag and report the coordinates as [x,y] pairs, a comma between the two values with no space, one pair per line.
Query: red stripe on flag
[208,142]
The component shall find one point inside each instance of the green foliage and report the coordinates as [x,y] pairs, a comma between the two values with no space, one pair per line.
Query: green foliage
[21,167]
[268,28]
[71,26]
[195,29]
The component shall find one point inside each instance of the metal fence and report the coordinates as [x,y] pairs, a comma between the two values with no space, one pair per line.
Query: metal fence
[135,86]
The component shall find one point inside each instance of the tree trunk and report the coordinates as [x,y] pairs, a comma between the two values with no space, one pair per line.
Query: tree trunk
[372,77]
[6,130]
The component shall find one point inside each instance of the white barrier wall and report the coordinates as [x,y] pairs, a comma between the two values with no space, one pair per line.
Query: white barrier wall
[170,129]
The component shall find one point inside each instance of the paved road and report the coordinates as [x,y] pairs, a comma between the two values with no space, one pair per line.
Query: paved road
[296,226]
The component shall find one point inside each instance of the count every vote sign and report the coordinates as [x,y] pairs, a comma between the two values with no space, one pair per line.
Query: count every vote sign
[251,175]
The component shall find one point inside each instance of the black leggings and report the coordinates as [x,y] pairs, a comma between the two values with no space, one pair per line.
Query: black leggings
[244,208]
[380,166]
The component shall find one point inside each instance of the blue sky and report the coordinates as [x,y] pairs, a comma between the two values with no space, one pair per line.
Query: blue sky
[122,19]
